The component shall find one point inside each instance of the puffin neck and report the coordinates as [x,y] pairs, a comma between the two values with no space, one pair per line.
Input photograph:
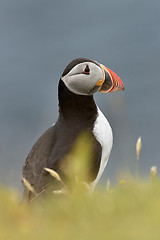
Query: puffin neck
[75,106]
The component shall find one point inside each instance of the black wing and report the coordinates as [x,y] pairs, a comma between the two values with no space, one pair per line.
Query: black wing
[37,159]
[50,151]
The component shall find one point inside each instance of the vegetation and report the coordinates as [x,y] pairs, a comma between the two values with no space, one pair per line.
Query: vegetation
[130,210]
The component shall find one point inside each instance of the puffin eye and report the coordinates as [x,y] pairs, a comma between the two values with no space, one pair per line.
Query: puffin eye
[86,70]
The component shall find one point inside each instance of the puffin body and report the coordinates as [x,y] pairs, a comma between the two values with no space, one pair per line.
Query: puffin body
[78,113]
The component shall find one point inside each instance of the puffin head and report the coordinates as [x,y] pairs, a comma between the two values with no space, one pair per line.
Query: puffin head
[85,77]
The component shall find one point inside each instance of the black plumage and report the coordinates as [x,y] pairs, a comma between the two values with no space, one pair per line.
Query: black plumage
[77,113]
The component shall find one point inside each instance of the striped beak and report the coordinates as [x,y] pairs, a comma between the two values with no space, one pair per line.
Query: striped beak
[111,81]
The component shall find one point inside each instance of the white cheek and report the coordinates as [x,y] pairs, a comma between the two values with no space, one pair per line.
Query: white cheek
[80,84]
[96,74]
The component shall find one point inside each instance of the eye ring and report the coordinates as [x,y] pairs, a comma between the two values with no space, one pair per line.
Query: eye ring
[86,70]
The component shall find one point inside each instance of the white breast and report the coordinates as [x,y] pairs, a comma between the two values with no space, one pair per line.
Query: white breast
[103,133]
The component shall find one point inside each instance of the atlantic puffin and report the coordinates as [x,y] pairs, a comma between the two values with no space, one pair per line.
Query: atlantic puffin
[77,113]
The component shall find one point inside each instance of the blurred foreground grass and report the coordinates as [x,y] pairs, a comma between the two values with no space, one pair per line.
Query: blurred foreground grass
[129,211]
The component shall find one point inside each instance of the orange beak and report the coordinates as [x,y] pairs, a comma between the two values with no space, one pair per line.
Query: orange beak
[111,81]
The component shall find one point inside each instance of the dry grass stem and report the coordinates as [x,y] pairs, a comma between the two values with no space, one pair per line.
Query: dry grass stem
[28,186]
[138,147]
[54,174]
[153,172]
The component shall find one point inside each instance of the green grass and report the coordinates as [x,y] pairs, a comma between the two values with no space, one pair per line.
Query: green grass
[129,211]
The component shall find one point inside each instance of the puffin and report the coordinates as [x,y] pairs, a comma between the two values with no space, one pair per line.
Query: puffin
[78,113]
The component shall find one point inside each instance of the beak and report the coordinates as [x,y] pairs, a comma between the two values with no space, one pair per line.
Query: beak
[111,81]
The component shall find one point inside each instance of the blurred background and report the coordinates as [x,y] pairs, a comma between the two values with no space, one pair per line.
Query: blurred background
[38,38]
